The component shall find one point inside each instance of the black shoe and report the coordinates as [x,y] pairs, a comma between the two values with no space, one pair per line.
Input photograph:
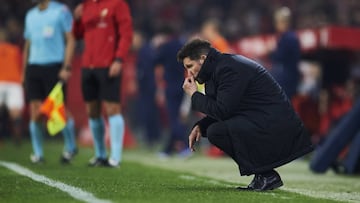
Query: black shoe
[98,162]
[66,156]
[250,187]
[264,182]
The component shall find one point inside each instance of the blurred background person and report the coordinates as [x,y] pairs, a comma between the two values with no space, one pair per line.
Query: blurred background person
[15,30]
[106,27]
[148,111]
[210,30]
[345,134]
[47,53]
[11,90]
[286,55]
[174,95]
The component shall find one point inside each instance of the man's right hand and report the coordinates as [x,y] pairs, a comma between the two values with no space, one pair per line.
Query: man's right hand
[78,12]
[194,136]
[189,85]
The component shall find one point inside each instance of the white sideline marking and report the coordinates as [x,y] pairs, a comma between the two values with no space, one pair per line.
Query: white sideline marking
[75,192]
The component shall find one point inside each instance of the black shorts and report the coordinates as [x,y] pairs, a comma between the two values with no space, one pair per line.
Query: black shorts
[40,79]
[97,85]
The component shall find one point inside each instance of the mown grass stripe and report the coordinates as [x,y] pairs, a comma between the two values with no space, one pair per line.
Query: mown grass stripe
[75,192]
[338,196]
[208,181]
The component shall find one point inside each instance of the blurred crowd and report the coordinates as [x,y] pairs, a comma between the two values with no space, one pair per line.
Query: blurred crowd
[239,18]
[242,18]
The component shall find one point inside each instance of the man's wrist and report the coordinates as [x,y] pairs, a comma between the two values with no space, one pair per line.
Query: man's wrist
[67,68]
[192,93]
[118,59]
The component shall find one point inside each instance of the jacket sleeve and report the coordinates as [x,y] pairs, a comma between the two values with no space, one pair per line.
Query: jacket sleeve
[204,124]
[124,29]
[230,87]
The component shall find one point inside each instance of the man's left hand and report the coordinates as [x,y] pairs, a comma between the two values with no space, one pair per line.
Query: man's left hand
[190,86]
[115,69]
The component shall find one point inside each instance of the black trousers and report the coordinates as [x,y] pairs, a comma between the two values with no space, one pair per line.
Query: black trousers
[219,136]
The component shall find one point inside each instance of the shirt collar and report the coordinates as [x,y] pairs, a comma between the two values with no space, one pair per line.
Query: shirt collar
[209,66]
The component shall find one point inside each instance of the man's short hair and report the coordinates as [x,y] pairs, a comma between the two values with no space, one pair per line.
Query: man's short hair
[194,49]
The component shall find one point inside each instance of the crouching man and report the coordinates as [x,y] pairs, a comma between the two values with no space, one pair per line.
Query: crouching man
[248,115]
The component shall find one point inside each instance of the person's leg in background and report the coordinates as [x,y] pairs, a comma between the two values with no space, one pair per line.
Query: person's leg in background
[11,107]
[90,92]
[4,112]
[36,132]
[36,92]
[170,142]
[351,163]
[326,154]
[15,104]
[70,147]
[3,121]
[152,127]
[148,115]
[117,129]
[97,128]
[110,94]
[178,131]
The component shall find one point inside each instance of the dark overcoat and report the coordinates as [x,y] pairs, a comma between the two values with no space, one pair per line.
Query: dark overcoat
[263,127]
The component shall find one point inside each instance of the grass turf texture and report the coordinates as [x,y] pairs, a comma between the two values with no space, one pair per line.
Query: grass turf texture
[143,178]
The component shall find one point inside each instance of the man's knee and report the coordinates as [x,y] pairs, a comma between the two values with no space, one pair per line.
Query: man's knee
[215,131]
[112,108]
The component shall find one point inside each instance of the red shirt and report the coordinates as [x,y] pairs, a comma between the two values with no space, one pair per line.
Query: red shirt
[106,27]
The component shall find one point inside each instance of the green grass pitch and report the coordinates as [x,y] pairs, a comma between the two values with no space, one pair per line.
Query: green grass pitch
[144,178]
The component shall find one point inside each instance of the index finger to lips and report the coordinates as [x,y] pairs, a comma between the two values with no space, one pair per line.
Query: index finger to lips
[192,79]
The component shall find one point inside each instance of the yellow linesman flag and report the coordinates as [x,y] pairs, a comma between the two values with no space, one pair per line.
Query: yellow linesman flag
[54,109]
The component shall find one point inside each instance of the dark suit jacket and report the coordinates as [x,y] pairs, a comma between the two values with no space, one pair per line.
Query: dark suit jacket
[265,130]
